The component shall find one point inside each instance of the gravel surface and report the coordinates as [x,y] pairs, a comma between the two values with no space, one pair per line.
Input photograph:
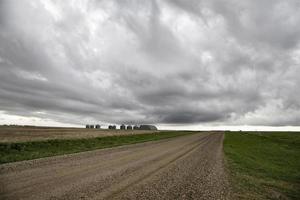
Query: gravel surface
[186,167]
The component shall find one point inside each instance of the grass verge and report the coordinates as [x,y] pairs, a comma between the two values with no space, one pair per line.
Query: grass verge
[12,152]
[265,165]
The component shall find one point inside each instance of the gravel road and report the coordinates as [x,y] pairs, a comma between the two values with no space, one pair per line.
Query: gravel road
[186,167]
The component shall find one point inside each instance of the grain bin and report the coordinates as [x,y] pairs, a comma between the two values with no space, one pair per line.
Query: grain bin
[98,126]
[129,127]
[122,127]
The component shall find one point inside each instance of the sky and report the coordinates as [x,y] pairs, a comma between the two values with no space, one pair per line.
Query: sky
[178,64]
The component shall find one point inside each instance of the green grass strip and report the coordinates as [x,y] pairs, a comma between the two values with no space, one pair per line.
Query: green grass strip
[264,165]
[12,152]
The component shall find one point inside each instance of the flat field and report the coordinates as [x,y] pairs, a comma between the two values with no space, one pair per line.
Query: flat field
[25,134]
[18,151]
[264,165]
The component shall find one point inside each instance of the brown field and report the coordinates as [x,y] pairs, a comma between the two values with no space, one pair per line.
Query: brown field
[22,134]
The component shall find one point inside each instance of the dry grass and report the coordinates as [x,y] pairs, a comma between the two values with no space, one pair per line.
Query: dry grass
[25,134]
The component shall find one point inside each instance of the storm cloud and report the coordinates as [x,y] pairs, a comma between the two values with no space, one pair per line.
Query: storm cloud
[213,62]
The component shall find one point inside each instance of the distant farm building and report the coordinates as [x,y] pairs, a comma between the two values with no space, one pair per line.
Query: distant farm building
[129,127]
[147,127]
[122,127]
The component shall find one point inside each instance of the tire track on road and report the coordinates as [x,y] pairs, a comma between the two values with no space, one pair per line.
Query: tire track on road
[156,170]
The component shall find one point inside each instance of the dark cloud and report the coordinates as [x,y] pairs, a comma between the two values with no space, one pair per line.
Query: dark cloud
[163,62]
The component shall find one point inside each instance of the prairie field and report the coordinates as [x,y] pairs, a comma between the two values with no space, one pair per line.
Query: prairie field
[264,165]
[26,134]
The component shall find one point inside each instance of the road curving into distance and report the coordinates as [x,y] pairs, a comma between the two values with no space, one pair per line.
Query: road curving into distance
[186,167]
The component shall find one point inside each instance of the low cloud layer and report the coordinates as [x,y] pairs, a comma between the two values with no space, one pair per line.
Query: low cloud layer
[225,62]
